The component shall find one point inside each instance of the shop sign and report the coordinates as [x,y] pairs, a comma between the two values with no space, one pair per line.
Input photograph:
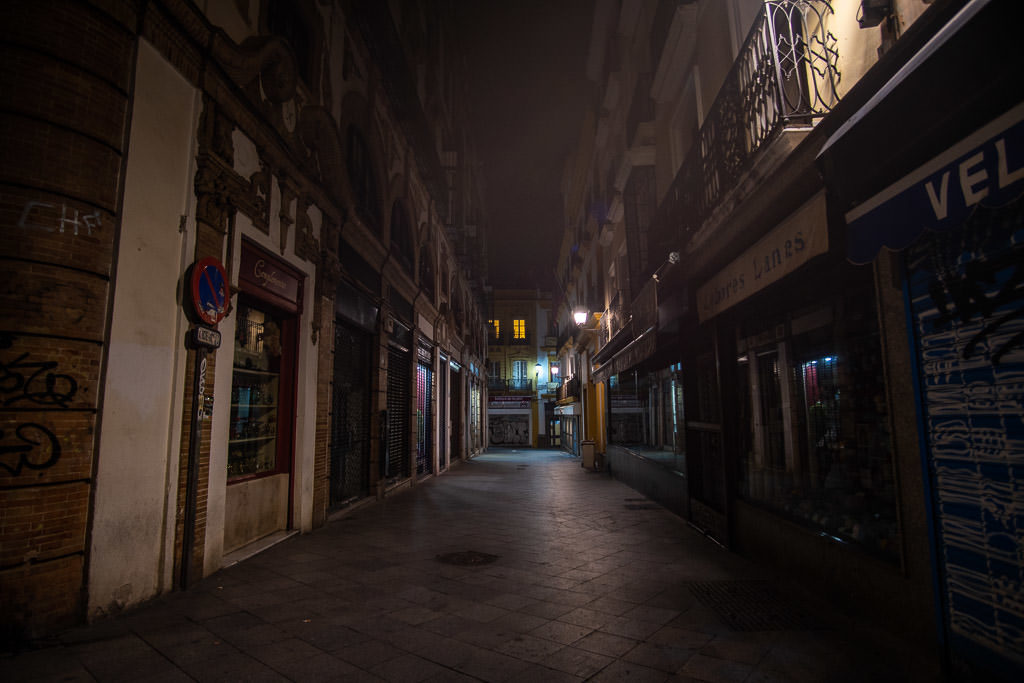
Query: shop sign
[790,245]
[504,402]
[987,167]
[267,275]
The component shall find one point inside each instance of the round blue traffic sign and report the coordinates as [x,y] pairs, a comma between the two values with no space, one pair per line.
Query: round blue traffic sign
[210,290]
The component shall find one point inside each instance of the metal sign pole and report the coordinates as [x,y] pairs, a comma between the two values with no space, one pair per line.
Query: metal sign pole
[192,481]
[209,297]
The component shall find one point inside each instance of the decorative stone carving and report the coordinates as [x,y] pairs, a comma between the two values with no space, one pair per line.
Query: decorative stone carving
[267,58]
[319,133]
[306,244]
[259,195]
[213,195]
[283,215]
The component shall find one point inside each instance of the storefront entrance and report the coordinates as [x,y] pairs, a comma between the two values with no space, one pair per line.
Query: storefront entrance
[350,415]
[262,429]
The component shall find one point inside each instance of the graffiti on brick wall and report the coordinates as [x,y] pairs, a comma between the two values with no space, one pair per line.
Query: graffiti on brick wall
[70,219]
[34,384]
[509,430]
[33,447]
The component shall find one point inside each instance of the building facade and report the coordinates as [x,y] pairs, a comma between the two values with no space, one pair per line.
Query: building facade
[761,366]
[293,180]
[521,372]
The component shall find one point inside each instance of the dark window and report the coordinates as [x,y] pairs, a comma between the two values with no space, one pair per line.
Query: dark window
[639,205]
[401,235]
[427,271]
[283,19]
[361,175]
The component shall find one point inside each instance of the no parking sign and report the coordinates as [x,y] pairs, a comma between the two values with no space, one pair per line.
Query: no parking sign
[208,284]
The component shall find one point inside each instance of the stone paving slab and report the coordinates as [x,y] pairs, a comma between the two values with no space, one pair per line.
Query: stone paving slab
[590,582]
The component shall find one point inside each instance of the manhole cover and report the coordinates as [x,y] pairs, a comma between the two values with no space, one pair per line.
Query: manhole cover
[466,558]
[753,606]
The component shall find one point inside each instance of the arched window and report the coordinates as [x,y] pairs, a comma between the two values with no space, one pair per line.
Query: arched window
[427,270]
[284,18]
[362,178]
[402,241]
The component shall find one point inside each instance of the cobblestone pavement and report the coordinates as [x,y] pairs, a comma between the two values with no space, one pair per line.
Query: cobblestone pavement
[566,575]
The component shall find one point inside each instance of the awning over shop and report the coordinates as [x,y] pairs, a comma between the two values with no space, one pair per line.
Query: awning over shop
[634,353]
[958,96]
[636,341]
[621,338]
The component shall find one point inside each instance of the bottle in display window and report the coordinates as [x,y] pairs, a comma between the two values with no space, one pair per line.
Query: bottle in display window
[255,390]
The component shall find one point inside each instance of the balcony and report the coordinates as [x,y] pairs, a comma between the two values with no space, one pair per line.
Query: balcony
[525,339]
[785,78]
[570,389]
[509,339]
[509,387]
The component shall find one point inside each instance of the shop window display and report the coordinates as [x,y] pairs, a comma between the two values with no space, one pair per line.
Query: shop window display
[252,443]
[818,448]
[645,415]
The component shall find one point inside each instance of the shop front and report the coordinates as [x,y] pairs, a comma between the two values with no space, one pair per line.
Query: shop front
[263,396]
[787,416]
[509,421]
[949,207]
[457,434]
[396,464]
[424,409]
[354,325]
[476,406]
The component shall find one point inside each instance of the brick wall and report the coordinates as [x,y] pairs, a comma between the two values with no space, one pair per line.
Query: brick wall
[65,71]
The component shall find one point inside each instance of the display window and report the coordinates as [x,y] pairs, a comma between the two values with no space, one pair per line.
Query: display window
[645,415]
[815,441]
[260,384]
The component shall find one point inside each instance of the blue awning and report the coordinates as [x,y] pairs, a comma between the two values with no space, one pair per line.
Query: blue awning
[940,137]
[986,168]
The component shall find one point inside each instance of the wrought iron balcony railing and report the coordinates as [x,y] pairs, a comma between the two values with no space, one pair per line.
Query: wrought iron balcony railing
[517,385]
[524,338]
[570,388]
[786,75]
[509,339]
[615,317]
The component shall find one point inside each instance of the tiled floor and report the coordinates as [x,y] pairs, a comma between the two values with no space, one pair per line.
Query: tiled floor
[586,586]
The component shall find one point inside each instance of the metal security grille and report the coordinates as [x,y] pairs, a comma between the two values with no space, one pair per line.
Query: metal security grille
[442,422]
[399,381]
[424,419]
[350,416]
[755,605]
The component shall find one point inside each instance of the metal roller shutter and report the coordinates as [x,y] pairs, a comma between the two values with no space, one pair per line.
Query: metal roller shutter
[399,382]
[350,416]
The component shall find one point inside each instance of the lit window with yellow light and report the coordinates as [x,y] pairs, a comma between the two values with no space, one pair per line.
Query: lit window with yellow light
[519,329]
[497,327]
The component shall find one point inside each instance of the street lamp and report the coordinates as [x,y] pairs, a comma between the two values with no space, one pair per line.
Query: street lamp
[580,316]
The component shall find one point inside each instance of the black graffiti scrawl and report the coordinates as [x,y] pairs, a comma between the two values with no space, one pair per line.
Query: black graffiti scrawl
[989,288]
[25,383]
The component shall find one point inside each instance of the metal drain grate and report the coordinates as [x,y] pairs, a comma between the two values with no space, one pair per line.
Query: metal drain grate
[466,558]
[753,606]
[640,506]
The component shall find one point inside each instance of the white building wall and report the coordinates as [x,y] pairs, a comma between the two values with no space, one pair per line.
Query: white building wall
[137,465]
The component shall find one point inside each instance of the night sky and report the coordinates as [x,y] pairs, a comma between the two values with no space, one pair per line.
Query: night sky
[529,93]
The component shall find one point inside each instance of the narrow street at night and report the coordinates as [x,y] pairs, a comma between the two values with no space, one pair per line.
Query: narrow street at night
[515,566]
[535,340]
